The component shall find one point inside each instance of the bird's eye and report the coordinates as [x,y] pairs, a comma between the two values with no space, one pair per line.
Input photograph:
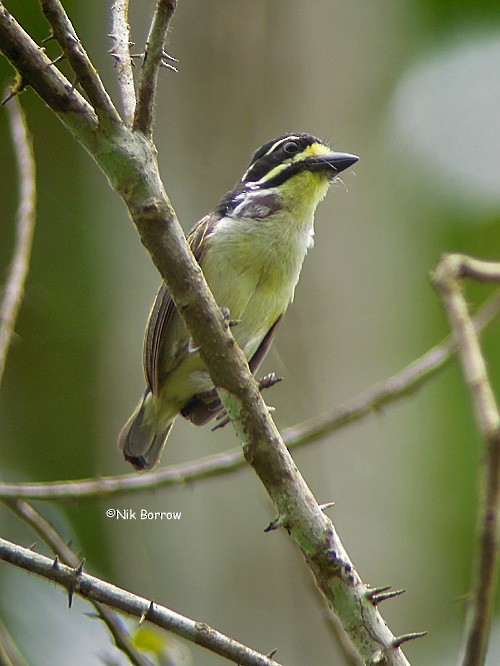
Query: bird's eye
[290,147]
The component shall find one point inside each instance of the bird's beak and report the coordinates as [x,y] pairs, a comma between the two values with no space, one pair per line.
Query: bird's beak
[336,162]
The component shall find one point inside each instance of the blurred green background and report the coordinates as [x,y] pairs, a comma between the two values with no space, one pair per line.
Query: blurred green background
[413,89]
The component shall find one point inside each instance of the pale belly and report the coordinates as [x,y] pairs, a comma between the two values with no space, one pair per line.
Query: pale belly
[256,289]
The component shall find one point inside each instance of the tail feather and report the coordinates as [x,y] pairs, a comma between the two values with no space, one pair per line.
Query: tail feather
[141,439]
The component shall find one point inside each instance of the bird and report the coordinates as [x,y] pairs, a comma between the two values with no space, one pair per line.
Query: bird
[251,248]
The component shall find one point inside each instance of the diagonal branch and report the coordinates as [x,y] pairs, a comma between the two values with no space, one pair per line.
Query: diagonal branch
[89,587]
[144,112]
[45,531]
[120,34]
[450,270]
[36,70]
[77,57]
[26,216]
[9,652]
[399,386]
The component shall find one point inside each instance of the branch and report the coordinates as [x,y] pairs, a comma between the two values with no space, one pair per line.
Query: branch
[45,531]
[89,587]
[120,34]
[450,270]
[399,386]
[26,216]
[9,652]
[36,70]
[77,57]
[144,112]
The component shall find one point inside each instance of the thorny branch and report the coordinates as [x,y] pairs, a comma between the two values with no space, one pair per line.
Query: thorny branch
[144,111]
[66,555]
[77,57]
[120,35]
[450,271]
[76,581]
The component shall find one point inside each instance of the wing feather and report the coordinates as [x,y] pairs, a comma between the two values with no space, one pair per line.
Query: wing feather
[163,307]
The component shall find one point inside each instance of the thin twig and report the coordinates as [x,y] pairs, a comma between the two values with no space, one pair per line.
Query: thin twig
[26,217]
[450,270]
[120,34]
[144,111]
[9,652]
[400,385]
[77,57]
[66,555]
[95,589]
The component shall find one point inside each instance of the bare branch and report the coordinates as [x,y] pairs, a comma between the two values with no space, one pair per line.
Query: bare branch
[77,57]
[399,386]
[36,69]
[144,112]
[120,34]
[449,271]
[26,216]
[95,589]
[64,553]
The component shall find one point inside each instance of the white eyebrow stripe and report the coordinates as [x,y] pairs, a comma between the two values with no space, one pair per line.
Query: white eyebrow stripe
[283,140]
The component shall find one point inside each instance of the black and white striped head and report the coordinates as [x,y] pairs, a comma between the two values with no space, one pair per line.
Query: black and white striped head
[295,169]
[291,154]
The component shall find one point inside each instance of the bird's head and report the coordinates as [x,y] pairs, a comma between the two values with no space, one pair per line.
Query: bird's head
[294,169]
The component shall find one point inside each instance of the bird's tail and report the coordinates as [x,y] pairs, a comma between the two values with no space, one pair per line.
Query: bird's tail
[142,438]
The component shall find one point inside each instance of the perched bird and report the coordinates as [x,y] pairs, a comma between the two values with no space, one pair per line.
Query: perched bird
[251,249]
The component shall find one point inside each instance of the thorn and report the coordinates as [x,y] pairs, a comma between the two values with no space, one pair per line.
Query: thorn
[131,43]
[49,38]
[404,638]
[70,598]
[164,54]
[269,381]
[169,66]
[375,591]
[147,612]
[376,599]
[79,570]
[58,59]
[275,524]
[18,87]
[72,38]
[272,653]
[137,55]
[55,563]
[326,506]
